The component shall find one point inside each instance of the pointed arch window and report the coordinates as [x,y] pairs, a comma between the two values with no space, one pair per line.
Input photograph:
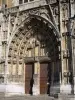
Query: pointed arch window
[20,1]
[28,1]
[25,1]
[31,0]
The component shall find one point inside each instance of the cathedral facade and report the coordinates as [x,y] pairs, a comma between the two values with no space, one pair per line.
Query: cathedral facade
[37,46]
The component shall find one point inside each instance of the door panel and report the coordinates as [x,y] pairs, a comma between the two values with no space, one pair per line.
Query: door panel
[28,76]
[43,78]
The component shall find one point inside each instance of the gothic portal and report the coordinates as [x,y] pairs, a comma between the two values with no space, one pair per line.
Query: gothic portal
[37,46]
[32,50]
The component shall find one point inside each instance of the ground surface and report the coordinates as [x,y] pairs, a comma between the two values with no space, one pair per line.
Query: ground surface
[17,97]
[28,97]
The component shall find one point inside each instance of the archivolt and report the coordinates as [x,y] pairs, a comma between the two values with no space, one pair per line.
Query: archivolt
[50,24]
[45,21]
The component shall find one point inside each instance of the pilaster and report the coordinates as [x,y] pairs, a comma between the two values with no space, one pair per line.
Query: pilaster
[65,46]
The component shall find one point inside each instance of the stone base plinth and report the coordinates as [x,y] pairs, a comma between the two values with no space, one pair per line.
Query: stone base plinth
[36,90]
[65,89]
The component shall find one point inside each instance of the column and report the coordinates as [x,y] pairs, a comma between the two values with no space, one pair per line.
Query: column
[65,44]
[73,62]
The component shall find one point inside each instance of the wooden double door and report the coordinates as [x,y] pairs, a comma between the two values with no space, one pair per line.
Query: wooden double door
[44,79]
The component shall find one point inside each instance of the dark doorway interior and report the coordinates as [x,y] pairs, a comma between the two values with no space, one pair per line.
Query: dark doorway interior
[49,70]
[31,81]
